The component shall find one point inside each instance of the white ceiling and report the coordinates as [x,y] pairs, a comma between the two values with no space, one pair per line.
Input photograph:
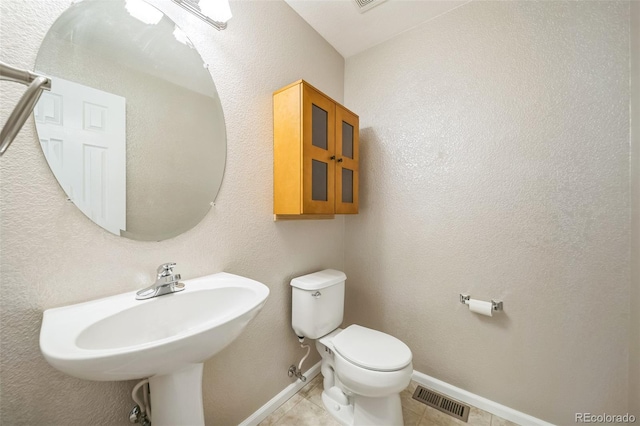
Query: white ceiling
[350,32]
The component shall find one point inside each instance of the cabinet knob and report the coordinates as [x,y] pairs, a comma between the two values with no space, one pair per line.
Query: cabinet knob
[333,157]
[339,160]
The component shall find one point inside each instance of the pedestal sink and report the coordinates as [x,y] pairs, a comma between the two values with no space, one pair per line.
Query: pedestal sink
[166,339]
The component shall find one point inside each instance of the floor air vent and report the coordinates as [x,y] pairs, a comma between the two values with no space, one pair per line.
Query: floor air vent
[364,5]
[442,403]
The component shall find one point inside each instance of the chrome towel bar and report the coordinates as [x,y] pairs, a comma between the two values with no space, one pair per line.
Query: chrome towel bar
[37,83]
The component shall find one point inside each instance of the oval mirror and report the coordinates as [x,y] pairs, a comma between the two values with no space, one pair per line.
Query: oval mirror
[133,128]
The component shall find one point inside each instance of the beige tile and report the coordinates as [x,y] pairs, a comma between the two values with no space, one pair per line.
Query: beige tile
[280,411]
[315,395]
[413,385]
[306,413]
[318,379]
[434,417]
[478,417]
[309,386]
[408,402]
[499,421]
[306,408]
[270,420]
[410,418]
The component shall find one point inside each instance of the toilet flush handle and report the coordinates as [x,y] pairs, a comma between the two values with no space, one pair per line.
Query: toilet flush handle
[317,294]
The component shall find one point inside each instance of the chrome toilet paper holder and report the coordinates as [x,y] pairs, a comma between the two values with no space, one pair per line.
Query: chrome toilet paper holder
[496,305]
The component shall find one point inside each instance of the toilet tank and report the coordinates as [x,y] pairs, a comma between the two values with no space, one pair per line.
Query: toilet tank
[317,303]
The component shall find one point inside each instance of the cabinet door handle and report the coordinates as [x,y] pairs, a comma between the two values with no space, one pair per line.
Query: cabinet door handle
[339,160]
[333,157]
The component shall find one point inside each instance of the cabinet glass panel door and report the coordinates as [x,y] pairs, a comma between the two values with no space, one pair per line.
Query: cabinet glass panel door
[347,186]
[347,140]
[318,148]
[319,120]
[346,161]
[319,180]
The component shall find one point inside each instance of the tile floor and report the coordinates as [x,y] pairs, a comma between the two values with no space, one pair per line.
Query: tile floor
[305,409]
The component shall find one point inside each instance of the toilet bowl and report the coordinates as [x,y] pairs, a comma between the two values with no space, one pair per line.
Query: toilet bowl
[373,371]
[364,370]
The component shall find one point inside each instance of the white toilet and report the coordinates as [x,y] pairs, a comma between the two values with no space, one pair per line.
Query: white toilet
[364,370]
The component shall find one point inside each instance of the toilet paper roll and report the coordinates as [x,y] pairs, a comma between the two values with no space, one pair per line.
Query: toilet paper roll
[481,307]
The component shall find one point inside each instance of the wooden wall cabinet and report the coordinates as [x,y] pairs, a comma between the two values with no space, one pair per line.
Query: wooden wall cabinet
[315,155]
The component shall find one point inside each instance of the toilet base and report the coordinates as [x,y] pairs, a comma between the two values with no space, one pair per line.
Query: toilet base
[341,412]
[385,411]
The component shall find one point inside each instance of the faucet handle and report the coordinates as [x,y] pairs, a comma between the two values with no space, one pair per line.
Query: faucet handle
[165,269]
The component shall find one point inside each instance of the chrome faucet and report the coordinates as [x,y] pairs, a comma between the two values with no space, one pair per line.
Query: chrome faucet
[166,282]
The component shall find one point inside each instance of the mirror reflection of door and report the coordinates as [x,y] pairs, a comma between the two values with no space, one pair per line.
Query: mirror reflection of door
[176,136]
[82,131]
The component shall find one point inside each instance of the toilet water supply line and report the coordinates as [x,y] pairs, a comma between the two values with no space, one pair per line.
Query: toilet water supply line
[297,371]
[302,345]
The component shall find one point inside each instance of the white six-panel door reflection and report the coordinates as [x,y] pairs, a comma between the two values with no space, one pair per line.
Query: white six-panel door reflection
[82,132]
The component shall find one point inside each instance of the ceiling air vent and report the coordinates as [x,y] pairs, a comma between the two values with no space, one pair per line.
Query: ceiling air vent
[364,5]
[442,403]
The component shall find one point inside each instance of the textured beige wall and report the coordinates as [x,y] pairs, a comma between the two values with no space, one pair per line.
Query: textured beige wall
[634,352]
[52,255]
[495,161]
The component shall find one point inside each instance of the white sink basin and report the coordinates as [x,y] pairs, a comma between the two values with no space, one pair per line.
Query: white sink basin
[121,338]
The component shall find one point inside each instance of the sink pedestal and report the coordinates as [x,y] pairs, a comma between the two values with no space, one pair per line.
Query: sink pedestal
[176,398]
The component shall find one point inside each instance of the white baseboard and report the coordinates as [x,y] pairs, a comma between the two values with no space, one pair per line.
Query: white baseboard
[275,402]
[421,378]
[477,401]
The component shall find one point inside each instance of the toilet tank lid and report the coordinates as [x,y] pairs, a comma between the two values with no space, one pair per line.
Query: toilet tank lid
[319,280]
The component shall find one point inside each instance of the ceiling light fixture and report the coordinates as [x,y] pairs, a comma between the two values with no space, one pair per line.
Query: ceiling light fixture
[214,12]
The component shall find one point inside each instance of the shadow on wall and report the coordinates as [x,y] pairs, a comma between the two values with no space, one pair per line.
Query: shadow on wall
[360,302]
[370,147]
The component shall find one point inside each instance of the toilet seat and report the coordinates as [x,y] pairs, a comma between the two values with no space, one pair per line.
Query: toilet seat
[372,349]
